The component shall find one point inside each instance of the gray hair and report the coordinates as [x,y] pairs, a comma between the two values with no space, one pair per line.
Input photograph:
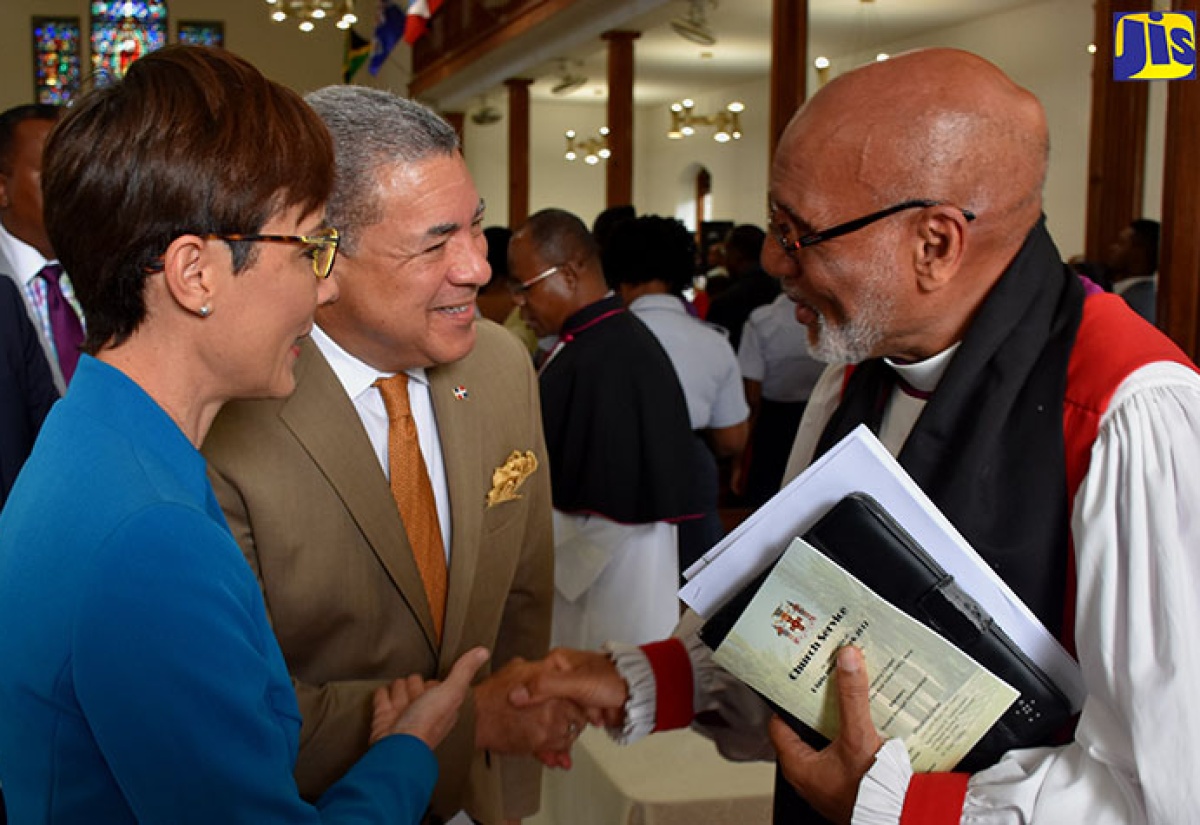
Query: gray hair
[373,128]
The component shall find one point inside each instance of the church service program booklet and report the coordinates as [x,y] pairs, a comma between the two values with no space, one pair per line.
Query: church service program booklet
[859,463]
[924,690]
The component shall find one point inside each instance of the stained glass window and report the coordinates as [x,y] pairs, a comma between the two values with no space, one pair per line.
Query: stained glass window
[56,43]
[123,31]
[202,32]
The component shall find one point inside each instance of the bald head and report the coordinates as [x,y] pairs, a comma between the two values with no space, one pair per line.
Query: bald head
[936,123]
[558,235]
[952,142]
[556,245]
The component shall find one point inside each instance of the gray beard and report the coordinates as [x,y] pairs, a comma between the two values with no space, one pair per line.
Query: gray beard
[853,341]
[859,338]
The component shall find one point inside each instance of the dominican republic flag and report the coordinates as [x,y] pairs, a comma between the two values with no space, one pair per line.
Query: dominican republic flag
[417,20]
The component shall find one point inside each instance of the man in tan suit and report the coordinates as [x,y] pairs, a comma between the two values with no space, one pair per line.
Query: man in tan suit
[304,482]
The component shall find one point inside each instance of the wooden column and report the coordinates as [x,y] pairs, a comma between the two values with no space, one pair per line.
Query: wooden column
[1117,143]
[619,170]
[457,120]
[703,190]
[1179,259]
[789,64]
[518,150]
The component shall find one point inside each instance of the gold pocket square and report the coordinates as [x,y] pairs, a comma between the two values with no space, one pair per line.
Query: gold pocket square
[508,479]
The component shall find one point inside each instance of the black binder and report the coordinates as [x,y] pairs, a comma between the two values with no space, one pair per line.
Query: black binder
[864,540]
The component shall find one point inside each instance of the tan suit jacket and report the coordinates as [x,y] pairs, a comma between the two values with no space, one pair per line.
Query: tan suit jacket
[309,504]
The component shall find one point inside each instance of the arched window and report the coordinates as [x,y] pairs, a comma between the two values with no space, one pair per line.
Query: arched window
[123,31]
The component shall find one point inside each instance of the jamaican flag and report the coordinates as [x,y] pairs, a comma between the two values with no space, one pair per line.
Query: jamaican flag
[358,49]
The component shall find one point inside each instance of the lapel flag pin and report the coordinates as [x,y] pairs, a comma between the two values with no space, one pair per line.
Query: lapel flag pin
[460,392]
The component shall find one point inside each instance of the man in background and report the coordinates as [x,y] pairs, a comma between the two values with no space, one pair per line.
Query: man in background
[750,286]
[617,432]
[396,507]
[1132,264]
[26,386]
[494,299]
[26,255]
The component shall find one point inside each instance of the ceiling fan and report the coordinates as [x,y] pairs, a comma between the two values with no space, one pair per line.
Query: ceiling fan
[694,26]
[568,81]
[486,114]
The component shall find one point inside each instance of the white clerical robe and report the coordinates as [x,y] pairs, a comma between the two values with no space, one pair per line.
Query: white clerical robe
[613,581]
[1137,547]
[1136,527]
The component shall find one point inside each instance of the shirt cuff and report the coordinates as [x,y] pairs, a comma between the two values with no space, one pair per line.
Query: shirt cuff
[881,793]
[661,687]
[634,668]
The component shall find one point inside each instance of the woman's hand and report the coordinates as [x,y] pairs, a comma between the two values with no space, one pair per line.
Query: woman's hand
[425,709]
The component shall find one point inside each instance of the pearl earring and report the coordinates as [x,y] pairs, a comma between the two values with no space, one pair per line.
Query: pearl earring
[205,311]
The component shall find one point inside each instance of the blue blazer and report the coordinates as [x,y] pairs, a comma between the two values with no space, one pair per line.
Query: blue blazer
[26,385]
[141,680]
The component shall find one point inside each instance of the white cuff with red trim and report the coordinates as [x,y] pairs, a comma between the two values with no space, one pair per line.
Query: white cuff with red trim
[881,792]
[642,705]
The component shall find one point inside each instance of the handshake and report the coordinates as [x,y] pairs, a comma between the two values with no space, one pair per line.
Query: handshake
[540,708]
[526,708]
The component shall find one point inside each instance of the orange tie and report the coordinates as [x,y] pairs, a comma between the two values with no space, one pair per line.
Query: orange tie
[414,494]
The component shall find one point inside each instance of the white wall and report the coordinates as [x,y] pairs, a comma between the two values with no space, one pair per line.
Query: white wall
[738,168]
[485,149]
[555,181]
[1043,47]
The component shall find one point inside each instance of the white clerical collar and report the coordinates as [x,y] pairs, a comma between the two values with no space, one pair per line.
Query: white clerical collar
[355,376]
[924,375]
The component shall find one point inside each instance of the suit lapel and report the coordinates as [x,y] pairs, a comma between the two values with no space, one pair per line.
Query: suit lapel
[459,422]
[324,421]
[47,351]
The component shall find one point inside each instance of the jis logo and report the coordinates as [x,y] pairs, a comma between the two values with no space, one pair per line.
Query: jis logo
[1155,45]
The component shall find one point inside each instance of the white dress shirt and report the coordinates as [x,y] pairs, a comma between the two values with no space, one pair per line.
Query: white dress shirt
[703,359]
[358,380]
[22,263]
[774,352]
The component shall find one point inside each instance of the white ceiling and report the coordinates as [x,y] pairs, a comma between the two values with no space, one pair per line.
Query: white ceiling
[667,66]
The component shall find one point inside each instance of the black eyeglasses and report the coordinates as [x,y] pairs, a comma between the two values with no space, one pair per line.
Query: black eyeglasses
[813,238]
[322,248]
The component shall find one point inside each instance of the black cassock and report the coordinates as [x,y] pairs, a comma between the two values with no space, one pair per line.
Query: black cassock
[617,429]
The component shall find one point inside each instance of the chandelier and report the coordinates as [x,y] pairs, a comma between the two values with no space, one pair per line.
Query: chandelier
[684,121]
[593,149]
[308,13]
